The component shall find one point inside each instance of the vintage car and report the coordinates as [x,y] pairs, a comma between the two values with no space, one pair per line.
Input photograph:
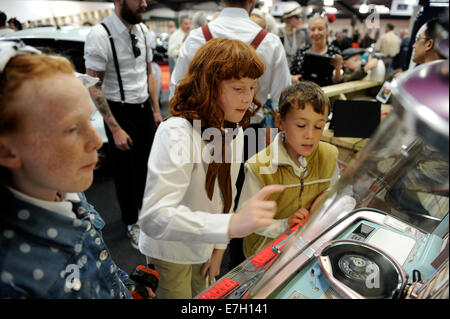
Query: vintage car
[66,41]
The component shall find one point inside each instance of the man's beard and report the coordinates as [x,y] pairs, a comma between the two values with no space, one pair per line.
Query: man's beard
[128,15]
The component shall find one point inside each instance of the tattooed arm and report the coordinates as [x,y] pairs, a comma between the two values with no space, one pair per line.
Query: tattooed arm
[153,91]
[121,139]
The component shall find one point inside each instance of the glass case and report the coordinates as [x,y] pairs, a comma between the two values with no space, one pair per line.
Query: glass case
[382,231]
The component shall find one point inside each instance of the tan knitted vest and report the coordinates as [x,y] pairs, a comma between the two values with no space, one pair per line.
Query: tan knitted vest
[320,165]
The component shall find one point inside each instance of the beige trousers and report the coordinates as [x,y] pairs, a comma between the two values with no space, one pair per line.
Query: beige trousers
[178,281]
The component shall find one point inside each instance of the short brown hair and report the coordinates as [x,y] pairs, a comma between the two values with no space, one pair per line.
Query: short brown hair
[302,93]
[196,96]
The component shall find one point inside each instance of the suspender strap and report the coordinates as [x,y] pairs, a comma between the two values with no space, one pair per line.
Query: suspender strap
[116,63]
[146,57]
[255,43]
[145,41]
[258,39]
[206,33]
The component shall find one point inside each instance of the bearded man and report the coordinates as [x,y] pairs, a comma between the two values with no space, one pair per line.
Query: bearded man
[118,52]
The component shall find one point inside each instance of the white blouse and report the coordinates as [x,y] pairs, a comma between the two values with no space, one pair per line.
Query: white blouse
[179,223]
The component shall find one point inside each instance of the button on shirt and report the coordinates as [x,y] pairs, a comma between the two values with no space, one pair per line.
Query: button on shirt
[234,23]
[99,57]
[52,251]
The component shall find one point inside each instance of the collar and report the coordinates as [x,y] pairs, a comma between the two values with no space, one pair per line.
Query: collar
[118,25]
[64,207]
[280,156]
[234,12]
[57,229]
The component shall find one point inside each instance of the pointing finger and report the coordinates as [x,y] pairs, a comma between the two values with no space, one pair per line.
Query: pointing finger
[266,191]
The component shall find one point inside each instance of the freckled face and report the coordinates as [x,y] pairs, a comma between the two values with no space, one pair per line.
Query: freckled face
[56,142]
[303,129]
[236,97]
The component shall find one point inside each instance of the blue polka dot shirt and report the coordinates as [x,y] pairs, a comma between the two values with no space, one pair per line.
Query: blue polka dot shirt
[44,254]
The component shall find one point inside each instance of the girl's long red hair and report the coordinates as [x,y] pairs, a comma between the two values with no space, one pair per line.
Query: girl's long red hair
[197,94]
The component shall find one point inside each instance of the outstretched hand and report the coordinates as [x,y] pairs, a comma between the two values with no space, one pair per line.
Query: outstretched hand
[256,213]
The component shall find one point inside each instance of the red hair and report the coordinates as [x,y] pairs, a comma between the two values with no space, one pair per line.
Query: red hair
[196,96]
[20,69]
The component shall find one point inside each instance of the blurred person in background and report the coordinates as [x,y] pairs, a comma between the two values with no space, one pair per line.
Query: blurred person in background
[4,29]
[199,19]
[176,40]
[264,20]
[401,59]
[294,35]
[318,32]
[352,64]
[389,45]
[341,42]
[15,24]
[424,46]
[367,40]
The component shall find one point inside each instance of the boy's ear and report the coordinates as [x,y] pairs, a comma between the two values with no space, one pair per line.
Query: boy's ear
[9,158]
[279,122]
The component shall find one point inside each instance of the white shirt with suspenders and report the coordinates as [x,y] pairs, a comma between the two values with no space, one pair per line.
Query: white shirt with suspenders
[234,23]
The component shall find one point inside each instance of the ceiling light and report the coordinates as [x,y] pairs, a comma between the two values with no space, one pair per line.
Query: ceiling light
[328,3]
[330,10]
[438,3]
[363,8]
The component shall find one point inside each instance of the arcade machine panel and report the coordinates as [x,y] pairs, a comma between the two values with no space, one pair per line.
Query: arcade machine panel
[382,231]
[373,258]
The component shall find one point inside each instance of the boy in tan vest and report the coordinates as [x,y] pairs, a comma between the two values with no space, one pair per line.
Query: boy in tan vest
[296,156]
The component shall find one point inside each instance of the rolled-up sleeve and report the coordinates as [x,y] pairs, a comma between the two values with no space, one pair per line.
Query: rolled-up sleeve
[96,49]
